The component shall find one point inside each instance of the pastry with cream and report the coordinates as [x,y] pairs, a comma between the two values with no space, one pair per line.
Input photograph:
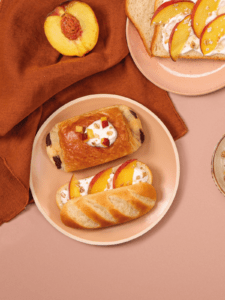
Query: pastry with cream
[94,138]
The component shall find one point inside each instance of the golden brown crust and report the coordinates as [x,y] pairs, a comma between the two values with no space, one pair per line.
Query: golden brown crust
[76,154]
[114,207]
[90,213]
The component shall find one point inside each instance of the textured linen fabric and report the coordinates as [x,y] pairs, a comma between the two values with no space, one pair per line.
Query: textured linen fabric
[35,80]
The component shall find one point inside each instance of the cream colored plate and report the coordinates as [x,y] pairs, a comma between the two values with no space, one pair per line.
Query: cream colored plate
[218,165]
[158,151]
[185,76]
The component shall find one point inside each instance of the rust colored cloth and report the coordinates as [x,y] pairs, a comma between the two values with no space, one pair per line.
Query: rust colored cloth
[35,80]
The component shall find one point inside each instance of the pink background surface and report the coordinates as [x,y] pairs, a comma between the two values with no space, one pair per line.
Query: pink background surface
[182,257]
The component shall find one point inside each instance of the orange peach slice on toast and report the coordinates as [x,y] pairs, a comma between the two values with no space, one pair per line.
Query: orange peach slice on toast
[201,11]
[124,174]
[74,189]
[179,37]
[99,181]
[72,28]
[170,9]
[212,33]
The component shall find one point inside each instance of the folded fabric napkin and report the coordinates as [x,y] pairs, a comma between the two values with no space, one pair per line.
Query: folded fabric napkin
[35,80]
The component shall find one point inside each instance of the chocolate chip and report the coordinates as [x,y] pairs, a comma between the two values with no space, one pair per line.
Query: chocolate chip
[57,161]
[134,114]
[48,140]
[142,136]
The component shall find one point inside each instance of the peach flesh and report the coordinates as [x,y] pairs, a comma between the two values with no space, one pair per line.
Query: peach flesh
[99,181]
[120,169]
[74,190]
[212,33]
[178,37]
[169,9]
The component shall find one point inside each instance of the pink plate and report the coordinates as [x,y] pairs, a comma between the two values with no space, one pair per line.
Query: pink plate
[218,165]
[185,76]
[45,179]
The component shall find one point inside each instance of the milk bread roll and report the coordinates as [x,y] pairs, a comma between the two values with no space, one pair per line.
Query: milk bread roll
[144,173]
[110,207]
[120,199]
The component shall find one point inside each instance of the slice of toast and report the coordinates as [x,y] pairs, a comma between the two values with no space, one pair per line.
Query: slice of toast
[157,48]
[140,13]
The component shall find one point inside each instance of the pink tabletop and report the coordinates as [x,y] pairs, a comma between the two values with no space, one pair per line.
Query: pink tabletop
[182,257]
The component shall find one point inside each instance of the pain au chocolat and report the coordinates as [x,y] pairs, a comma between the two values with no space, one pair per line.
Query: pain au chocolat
[94,138]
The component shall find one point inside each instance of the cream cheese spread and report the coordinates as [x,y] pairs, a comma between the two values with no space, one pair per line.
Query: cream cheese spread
[139,175]
[109,185]
[193,42]
[109,132]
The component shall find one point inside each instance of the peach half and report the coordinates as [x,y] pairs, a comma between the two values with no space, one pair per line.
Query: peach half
[170,9]
[212,33]
[72,28]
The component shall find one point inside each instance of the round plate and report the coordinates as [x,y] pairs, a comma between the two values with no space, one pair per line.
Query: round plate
[184,77]
[218,165]
[45,179]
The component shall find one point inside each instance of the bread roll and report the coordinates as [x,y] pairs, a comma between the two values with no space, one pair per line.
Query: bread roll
[69,150]
[145,174]
[110,207]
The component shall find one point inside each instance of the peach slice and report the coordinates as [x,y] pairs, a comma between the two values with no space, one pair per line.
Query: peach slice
[179,37]
[212,33]
[72,28]
[105,142]
[124,174]
[99,181]
[90,133]
[170,9]
[104,121]
[74,189]
[201,11]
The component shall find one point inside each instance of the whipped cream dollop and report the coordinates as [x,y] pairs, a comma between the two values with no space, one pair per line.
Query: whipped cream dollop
[193,42]
[109,132]
[139,175]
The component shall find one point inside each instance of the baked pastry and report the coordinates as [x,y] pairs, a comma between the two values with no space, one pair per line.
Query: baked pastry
[113,196]
[130,172]
[180,28]
[94,138]
[109,208]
